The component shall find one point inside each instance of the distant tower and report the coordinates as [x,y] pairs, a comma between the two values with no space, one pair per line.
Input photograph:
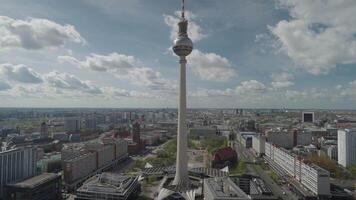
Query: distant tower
[182,46]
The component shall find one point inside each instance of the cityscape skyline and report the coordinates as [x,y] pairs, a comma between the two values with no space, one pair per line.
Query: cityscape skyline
[260,105]
[115,54]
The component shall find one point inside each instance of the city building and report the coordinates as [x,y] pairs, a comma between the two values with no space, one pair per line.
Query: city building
[254,186]
[44,130]
[70,151]
[50,162]
[346,142]
[136,145]
[281,138]
[16,164]
[247,141]
[312,177]
[41,187]
[224,157]
[60,136]
[223,188]
[81,160]
[90,123]
[72,123]
[104,153]
[332,152]
[258,144]
[308,117]
[136,133]
[79,167]
[109,186]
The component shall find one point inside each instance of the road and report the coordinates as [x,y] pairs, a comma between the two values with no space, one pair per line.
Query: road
[254,169]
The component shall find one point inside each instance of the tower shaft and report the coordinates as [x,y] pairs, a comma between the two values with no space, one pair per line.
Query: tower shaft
[181,176]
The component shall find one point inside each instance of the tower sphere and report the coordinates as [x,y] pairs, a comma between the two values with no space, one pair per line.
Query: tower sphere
[182,46]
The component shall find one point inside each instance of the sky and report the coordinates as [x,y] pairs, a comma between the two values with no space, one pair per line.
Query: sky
[117,53]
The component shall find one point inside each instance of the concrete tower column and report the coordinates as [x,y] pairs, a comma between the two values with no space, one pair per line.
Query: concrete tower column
[181,176]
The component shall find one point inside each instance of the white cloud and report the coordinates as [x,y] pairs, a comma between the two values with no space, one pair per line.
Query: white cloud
[4,85]
[320,35]
[194,30]
[250,87]
[55,84]
[210,66]
[281,80]
[112,92]
[202,92]
[123,67]
[348,91]
[70,82]
[305,95]
[19,73]
[34,33]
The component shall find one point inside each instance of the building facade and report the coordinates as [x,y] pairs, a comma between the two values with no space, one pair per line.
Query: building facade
[44,186]
[258,144]
[72,123]
[16,164]
[109,186]
[346,142]
[79,167]
[312,177]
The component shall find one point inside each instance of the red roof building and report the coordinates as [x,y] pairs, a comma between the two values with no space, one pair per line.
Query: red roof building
[224,157]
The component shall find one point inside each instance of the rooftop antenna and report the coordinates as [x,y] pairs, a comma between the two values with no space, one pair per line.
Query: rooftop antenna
[183,17]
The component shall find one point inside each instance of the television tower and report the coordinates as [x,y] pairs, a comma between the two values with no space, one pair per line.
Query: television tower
[182,47]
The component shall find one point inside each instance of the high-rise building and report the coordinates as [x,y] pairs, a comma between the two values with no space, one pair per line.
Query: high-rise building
[308,117]
[72,124]
[136,133]
[44,130]
[346,142]
[16,164]
[90,123]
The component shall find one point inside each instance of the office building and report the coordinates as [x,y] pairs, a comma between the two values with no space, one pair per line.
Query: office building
[79,167]
[258,144]
[82,159]
[312,177]
[109,186]
[42,187]
[136,133]
[346,142]
[283,138]
[332,152]
[72,123]
[90,123]
[16,164]
[44,130]
[308,117]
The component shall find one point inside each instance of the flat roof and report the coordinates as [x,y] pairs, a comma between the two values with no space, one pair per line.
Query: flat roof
[35,181]
[225,188]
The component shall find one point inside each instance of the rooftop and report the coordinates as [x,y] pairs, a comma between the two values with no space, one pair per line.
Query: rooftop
[36,180]
[108,183]
[225,188]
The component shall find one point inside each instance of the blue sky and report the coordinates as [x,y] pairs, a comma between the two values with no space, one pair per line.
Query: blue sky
[116,53]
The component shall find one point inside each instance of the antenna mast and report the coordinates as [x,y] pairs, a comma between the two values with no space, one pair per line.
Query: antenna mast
[183,9]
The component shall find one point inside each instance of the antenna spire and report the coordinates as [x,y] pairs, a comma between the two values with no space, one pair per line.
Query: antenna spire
[183,9]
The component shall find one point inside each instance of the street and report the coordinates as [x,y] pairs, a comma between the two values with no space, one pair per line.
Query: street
[246,156]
